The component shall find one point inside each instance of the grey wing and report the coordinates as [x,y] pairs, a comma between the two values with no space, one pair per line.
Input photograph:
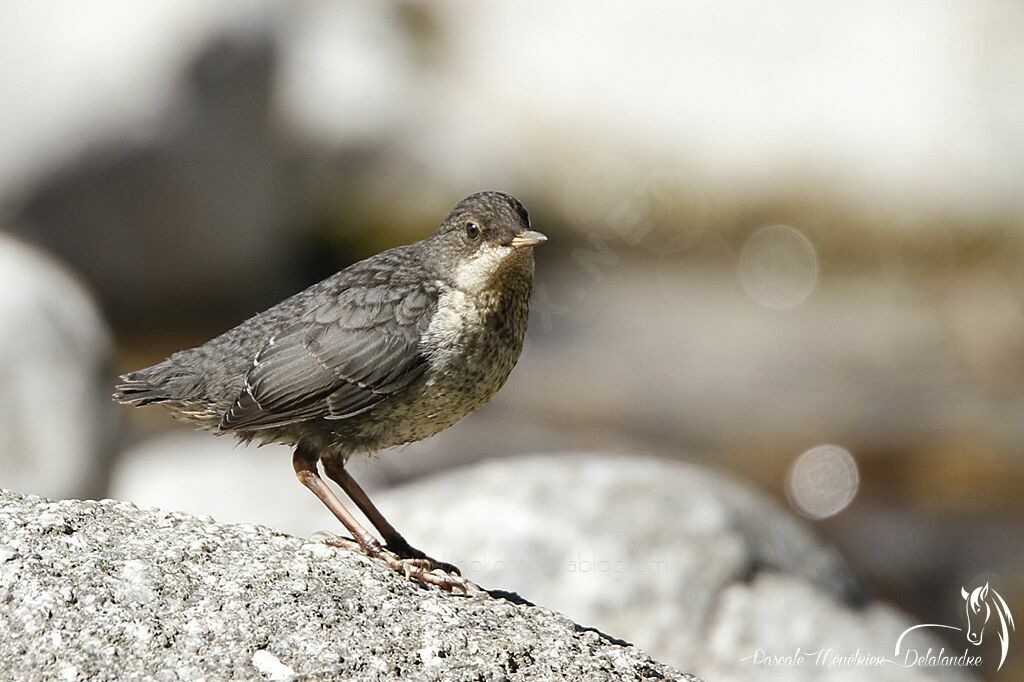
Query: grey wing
[339,360]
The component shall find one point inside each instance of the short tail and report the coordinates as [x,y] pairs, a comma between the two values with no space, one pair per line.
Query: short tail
[143,387]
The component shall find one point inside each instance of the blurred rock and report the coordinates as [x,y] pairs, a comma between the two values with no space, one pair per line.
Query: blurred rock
[170,168]
[194,211]
[109,74]
[200,474]
[683,561]
[103,591]
[57,423]
[779,614]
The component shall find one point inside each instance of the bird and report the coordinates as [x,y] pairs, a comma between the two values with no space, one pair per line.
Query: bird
[388,351]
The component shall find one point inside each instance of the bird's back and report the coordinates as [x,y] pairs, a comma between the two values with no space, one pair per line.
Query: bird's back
[201,383]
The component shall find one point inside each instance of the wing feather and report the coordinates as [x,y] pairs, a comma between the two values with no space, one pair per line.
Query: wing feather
[340,359]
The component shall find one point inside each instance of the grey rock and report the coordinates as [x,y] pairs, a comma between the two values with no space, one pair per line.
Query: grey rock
[55,356]
[196,473]
[685,562]
[103,590]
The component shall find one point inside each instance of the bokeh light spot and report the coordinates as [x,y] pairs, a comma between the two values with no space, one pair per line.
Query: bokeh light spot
[778,267]
[823,481]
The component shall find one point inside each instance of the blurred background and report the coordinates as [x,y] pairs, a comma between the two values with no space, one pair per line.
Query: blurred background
[785,246]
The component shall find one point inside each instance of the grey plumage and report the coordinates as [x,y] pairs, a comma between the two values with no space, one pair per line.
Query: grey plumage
[388,351]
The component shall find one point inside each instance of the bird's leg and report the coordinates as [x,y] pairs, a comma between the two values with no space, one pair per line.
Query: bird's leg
[335,470]
[305,466]
[417,569]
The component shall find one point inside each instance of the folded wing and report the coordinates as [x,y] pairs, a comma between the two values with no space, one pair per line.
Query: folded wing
[339,360]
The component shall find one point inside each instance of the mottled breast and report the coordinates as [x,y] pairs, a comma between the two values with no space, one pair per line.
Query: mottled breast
[471,344]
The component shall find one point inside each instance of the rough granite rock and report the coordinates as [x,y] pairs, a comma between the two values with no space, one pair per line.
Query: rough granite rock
[102,590]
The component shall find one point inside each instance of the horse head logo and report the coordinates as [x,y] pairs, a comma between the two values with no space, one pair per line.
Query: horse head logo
[979,605]
[978,612]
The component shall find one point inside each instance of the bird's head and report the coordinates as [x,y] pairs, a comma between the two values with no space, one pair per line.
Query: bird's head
[484,237]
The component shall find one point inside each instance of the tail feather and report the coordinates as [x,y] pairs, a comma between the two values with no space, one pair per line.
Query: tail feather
[162,382]
[181,391]
[141,388]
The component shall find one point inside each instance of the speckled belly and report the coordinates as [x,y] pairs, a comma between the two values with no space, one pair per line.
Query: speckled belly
[473,353]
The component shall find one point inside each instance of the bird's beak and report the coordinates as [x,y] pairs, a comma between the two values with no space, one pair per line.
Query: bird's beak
[528,238]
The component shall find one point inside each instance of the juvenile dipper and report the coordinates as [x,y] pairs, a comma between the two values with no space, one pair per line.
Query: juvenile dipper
[388,351]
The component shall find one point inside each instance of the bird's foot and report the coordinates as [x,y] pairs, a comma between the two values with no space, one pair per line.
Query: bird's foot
[420,568]
[427,572]
[406,551]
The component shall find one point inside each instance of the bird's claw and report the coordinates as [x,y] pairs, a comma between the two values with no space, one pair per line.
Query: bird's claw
[405,551]
[336,541]
[421,568]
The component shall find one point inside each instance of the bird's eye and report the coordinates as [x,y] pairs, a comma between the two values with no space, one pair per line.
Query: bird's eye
[472,231]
